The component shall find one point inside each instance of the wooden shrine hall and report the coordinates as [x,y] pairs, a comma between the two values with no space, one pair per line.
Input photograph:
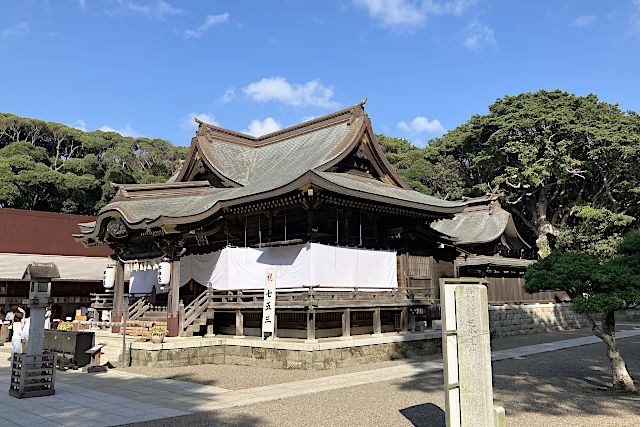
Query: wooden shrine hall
[318,200]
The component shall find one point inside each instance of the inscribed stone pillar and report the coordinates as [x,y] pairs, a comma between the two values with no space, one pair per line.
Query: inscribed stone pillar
[173,308]
[474,352]
[118,297]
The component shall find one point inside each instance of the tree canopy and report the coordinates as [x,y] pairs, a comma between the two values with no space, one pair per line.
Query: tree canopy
[595,286]
[563,163]
[53,167]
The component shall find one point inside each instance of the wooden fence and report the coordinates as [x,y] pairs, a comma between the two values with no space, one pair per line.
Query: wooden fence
[508,290]
[424,272]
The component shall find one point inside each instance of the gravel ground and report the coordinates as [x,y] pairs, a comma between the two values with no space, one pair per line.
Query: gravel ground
[561,388]
[240,377]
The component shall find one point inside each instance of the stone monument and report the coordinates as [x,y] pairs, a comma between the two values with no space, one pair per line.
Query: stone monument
[467,355]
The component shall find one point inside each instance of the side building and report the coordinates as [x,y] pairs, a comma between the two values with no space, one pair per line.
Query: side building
[32,236]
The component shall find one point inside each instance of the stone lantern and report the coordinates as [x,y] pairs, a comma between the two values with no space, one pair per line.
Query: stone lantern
[39,276]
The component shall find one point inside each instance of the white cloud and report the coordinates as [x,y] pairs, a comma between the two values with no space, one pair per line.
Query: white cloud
[228,95]
[408,14]
[583,20]
[422,124]
[80,124]
[307,118]
[155,9]
[126,131]
[19,30]
[209,21]
[479,36]
[394,12]
[312,93]
[259,128]
[190,124]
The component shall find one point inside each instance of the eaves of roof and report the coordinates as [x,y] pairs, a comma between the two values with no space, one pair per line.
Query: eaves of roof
[178,210]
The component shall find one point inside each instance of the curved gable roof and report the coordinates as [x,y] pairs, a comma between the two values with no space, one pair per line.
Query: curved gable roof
[244,160]
[482,221]
[256,168]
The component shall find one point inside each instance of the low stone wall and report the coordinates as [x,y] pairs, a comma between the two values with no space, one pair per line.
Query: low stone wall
[529,319]
[628,316]
[284,355]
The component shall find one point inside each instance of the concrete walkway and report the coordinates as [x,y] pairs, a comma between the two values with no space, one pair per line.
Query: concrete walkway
[118,397]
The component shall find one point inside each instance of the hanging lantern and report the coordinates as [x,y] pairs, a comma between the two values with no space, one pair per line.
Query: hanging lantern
[109,278]
[164,274]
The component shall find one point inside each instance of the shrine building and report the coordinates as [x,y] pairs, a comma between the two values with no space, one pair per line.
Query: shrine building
[357,251]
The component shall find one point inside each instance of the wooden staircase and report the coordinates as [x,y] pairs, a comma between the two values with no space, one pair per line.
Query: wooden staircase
[199,323]
[196,315]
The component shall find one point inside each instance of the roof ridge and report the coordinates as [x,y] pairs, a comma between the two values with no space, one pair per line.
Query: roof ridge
[282,134]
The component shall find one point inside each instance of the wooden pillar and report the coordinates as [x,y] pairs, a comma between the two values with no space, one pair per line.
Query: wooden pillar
[173,306]
[239,324]
[346,323]
[412,320]
[311,325]
[377,324]
[210,332]
[404,320]
[118,297]
[405,257]
[180,318]
[337,226]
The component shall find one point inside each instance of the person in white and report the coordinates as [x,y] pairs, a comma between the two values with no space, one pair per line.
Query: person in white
[47,318]
[16,342]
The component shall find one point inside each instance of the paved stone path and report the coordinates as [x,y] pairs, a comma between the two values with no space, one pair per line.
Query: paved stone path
[118,397]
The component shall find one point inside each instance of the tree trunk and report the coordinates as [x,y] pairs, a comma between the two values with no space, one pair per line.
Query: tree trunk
[621,378]
[545,228]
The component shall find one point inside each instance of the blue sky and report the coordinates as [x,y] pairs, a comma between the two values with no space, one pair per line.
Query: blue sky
[146,67]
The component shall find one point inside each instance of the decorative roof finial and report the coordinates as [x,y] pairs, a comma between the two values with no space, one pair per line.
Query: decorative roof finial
[365,101]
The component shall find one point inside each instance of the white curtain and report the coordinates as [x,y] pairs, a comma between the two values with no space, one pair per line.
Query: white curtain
[310,264]
[143,281]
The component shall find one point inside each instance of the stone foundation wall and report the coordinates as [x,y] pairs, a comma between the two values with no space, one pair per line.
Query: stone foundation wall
[628,316]
[529,319]
[285,357]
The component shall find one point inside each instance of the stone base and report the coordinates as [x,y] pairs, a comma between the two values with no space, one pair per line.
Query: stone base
[284,354]
[528,319]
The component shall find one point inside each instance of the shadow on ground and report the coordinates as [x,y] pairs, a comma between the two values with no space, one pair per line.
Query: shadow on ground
[425,415]
[204,419]
[575,381]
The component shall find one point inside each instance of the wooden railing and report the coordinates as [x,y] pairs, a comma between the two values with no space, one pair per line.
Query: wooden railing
[303,298]
[139,307]
[102,301]
[312,297]
[194,310]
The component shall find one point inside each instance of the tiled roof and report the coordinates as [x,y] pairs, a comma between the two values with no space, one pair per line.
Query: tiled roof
[482,221]
[258,168]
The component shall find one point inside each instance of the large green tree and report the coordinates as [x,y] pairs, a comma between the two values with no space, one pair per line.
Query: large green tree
[53,167]
[554,155]
[596,287]
[417,168]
